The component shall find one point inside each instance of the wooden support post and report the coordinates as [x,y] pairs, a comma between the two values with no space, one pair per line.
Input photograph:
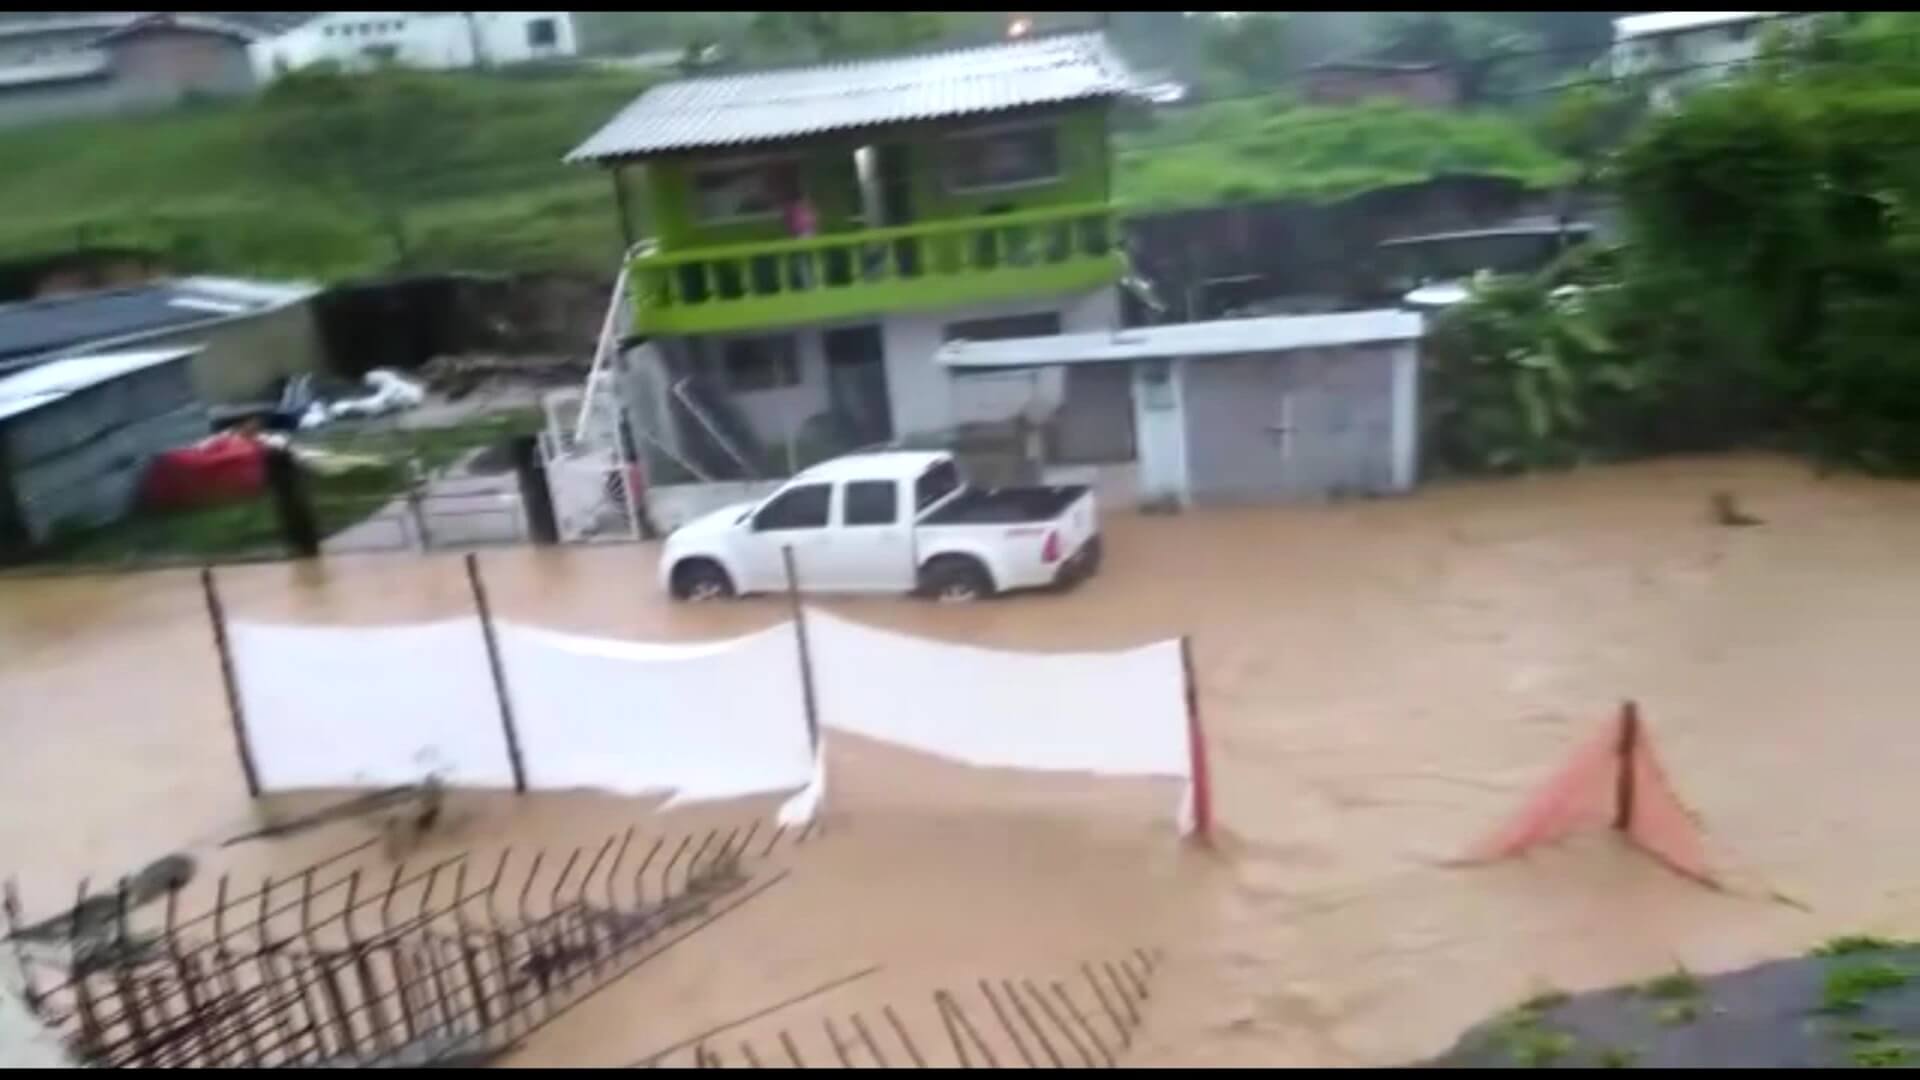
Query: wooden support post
[1199,776]
[236,714]
[499,674]
[1623,794]
[806,658]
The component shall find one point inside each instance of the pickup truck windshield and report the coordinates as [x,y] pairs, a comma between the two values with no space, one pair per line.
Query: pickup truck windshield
[935,484]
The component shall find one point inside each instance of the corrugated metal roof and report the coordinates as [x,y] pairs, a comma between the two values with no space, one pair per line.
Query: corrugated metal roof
[38,327]
[731,110]
[1223,337]
[48,383]
[1654,23]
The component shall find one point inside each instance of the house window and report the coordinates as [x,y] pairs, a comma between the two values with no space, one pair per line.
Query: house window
[760,363]
[744,191]
[1004,158]
[871,502]
[543,34]
[1038,324]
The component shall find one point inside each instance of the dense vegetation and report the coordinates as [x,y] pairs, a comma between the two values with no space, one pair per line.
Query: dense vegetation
[1274,148]
[329,177]
[1764,292]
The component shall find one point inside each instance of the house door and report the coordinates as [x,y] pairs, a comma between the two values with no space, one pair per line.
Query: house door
[857,384]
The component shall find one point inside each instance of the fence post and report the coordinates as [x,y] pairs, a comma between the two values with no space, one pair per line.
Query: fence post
[806,658]
[499,674]
[291,503]
[1623,793]
[236,716]
[536,494]
[1200,776]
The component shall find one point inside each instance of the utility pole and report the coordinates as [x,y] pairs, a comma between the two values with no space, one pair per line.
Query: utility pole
[474,39]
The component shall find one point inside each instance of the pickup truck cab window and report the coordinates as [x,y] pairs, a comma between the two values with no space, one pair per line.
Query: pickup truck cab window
[935,484]
[803,507]
[870,502]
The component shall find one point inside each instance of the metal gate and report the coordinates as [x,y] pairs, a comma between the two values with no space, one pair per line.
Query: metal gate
[1301,425]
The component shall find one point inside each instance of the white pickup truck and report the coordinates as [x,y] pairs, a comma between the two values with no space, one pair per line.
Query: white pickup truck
[896,521]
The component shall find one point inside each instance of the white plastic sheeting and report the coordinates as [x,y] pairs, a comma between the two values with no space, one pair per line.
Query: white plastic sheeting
[1121,713]
[713,720]
[329,706]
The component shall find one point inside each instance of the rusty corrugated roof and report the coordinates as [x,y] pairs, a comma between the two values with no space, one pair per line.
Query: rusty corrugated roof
[752,107]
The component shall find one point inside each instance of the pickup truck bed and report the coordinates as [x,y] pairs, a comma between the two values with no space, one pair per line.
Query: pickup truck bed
[1006,506]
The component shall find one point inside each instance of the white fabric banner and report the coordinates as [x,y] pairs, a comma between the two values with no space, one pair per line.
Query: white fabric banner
[334,707]
[712,720]
[1120,713]
[330,706]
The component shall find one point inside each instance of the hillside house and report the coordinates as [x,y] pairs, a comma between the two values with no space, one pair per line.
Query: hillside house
[1349,82]
[56,66]
[1675,51]
[431,40]
[821,231]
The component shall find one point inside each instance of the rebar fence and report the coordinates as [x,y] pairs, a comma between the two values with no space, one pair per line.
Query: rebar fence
[453,962]
[1087,1020]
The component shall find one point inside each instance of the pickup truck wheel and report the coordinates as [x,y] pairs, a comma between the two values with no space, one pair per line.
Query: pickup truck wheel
[700,580]
[954,579]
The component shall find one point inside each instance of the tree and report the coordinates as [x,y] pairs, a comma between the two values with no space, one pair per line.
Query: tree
[1245,53]
[839,35]
[366,142]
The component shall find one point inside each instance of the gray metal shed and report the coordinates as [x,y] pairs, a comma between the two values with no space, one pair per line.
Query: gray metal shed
[76,436]
[1254,410]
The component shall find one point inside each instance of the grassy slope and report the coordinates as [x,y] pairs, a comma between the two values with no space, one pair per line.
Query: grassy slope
[1236,150]
[200,182]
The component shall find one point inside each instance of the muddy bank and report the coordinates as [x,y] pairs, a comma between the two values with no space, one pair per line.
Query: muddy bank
[1382,681]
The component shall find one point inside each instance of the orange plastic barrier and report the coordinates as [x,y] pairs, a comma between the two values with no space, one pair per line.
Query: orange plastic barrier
[1615,781]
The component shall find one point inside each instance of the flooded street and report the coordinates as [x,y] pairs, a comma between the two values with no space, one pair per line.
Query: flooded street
[1382,682]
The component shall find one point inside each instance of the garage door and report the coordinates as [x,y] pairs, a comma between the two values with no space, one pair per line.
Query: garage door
[1303,425]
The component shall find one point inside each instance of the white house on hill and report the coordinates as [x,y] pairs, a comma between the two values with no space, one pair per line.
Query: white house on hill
[1679,50]
[435,40]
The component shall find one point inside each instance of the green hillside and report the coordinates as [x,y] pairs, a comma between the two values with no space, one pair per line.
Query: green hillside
[241,187]
[327,176]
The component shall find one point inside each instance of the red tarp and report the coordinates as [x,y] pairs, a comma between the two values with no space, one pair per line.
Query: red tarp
[222,468]
[1590,790]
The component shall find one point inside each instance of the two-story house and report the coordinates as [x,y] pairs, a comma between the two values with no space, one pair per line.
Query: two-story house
[820,232]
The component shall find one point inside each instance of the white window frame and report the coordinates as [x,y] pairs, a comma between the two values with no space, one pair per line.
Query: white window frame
[734,164]
[987,130]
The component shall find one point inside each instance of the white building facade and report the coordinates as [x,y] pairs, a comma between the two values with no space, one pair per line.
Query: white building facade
[1678,50]
[432,40]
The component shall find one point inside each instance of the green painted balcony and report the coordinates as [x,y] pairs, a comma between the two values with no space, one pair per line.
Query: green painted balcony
[843,275]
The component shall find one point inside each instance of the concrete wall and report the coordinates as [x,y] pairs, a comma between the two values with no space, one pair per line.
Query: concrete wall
[928,399]
[243,359]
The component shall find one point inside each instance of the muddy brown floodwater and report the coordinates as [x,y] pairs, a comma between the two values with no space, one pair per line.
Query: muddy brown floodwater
[1382,682]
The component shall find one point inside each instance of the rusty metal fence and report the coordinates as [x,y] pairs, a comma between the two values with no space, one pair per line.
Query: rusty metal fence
[455,962]
[1088,1020]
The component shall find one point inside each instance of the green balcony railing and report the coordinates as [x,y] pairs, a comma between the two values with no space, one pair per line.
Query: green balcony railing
[839,275]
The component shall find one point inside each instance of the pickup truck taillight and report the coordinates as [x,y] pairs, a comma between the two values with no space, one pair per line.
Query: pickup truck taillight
[1050,549]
